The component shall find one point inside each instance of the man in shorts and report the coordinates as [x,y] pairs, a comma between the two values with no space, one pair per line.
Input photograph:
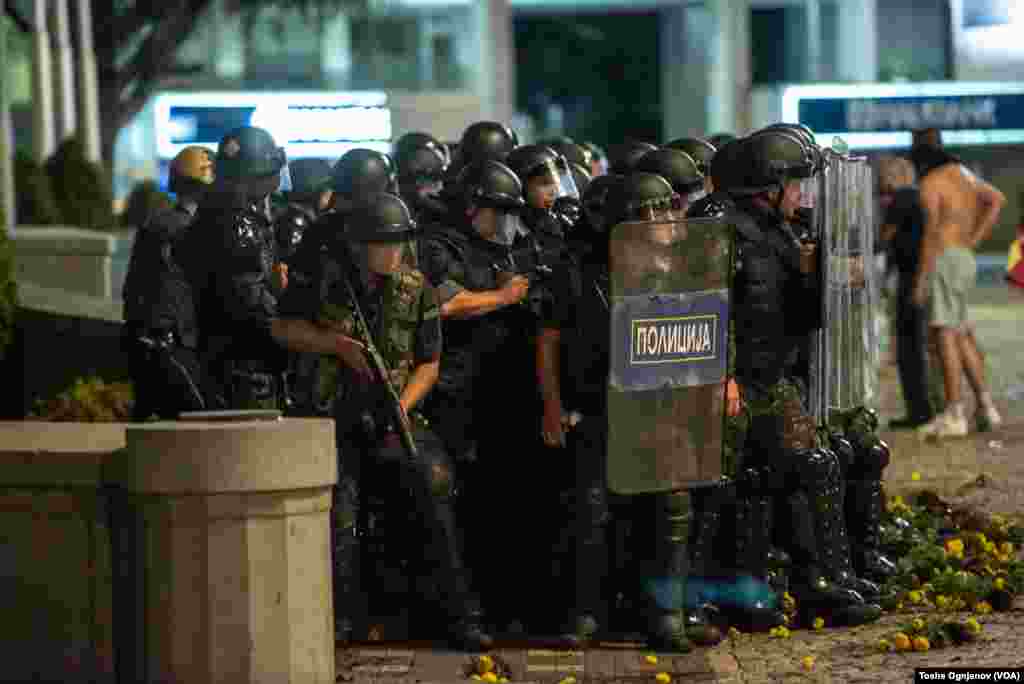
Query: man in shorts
[960,212]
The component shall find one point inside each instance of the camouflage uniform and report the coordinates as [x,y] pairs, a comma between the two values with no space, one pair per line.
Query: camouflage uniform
[403,315]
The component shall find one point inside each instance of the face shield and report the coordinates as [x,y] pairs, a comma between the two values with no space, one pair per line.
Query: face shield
[556,173]
[696,195]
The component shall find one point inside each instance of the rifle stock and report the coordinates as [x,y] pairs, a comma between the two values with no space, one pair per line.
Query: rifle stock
[395,413]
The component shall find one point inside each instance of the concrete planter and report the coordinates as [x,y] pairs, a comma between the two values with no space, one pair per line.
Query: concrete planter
[167,552]
[222,552]
[86,262]
[55,552]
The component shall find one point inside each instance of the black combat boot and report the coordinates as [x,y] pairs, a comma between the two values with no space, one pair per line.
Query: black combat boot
[665,580]
[830,529]
[699,611]
[748,600]
[591,566]
[813,538]
[349,599]
[865,500]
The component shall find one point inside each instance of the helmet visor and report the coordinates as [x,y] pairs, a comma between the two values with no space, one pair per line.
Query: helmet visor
[556,174]
[285,184]
[809,188]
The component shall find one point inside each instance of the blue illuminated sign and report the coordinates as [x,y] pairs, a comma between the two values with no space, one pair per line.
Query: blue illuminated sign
[881,116]
[306,124]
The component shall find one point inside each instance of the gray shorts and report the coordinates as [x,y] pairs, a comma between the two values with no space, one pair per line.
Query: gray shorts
[956,273]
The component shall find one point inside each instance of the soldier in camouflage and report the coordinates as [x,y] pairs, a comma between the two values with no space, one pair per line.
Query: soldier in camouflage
[402,313]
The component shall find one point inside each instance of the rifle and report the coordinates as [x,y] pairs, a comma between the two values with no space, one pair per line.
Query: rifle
[380,369]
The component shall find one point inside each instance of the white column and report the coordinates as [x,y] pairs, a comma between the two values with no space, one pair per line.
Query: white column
[685,60]
[43,138]
[88,85]
[229,61]
[729,66]
[813,8]
[65,71]
[7,201]
[857,37]
[495,75]
[336,51]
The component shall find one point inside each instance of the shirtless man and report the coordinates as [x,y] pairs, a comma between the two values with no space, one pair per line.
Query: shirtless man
[960,212]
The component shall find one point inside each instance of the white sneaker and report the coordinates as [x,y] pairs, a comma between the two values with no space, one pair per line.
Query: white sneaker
[988,419]
[944,425]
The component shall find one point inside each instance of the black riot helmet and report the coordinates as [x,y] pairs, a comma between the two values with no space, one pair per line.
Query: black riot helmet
[595,201]
[642,197]
[573,153]
[310,177]
[362,172]
[248,152]
[765,162]
[581,176]
[677,167]
[486,140]
[622,157]
[489,183]
[701,151]
[382,217]
[801,133]
[420,158]
[534,161]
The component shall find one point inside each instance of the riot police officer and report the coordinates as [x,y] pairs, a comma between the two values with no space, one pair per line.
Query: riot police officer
[160,334]
[229,260]
[310,196]
[552,199]
[701,151]
[421,163]
[364,295]
[660,522]
[486,362]
[782,467]
[679,169]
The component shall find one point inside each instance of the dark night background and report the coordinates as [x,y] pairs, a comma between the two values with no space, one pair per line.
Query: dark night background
[606,80]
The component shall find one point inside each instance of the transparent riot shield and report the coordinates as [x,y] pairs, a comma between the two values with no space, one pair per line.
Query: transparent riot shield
[669,351]
[845,370]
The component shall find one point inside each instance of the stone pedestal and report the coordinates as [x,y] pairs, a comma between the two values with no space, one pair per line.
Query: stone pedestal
[55,589]
[221,552]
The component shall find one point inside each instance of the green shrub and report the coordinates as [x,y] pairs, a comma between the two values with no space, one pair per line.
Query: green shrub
[8,288]
[144,199]
[88,400]
[81,187]
[36,203]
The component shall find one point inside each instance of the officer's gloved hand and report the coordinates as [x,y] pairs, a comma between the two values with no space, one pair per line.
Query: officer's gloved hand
[568,211]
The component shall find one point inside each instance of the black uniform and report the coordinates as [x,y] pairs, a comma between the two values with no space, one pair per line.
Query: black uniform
[160,334]
[229,261]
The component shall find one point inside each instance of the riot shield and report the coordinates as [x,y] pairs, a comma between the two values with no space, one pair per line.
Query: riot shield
[669,337]
[845,370]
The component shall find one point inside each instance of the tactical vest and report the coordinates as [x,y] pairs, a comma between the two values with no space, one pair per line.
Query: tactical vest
[393,323]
